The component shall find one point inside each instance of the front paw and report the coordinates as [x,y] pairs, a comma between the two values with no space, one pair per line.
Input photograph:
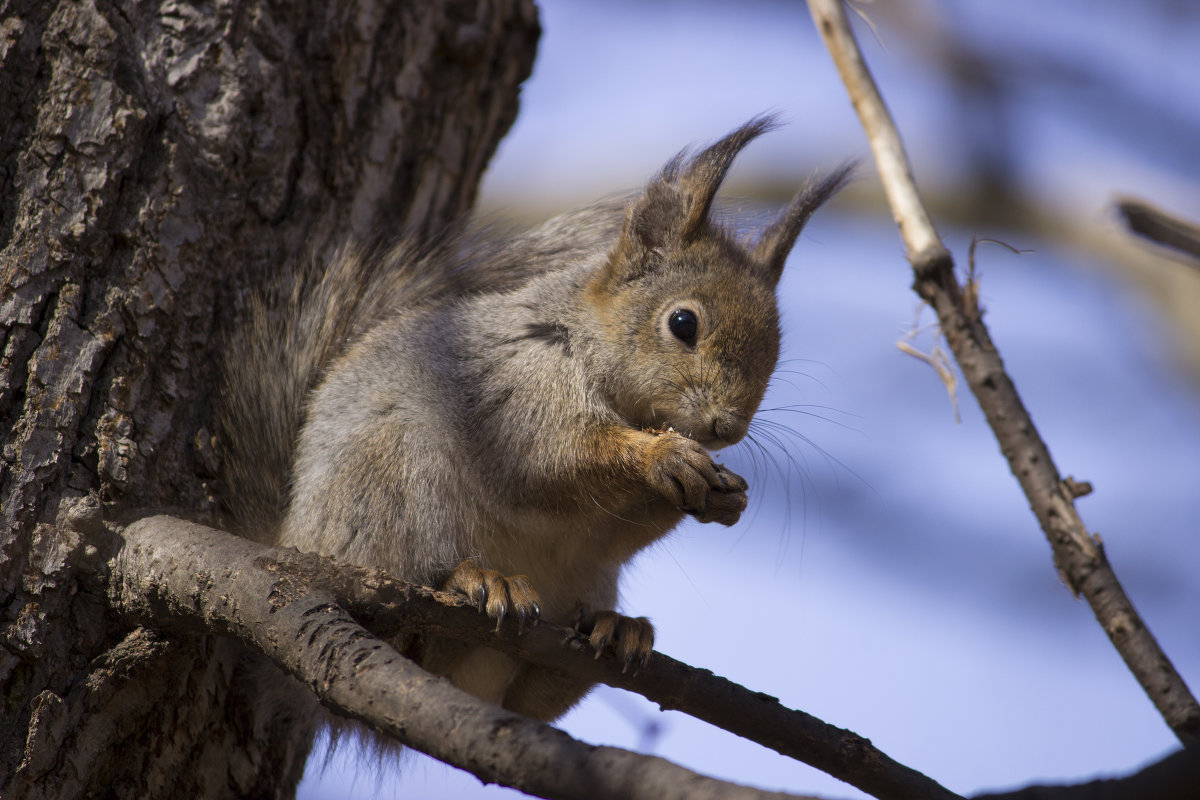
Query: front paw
[631,638]
[683,471]
[496,594]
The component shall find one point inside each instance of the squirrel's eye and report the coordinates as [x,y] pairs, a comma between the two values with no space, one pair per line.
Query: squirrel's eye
[683,324]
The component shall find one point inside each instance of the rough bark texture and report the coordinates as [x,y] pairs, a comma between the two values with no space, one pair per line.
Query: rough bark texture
[155,159]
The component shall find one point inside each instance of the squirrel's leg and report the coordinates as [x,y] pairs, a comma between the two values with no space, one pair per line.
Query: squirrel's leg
[546,695]
[495,594]
[631,638]
[485,673]
[542,694]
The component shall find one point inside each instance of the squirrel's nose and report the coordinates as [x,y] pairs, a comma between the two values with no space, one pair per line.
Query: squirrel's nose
[729,427]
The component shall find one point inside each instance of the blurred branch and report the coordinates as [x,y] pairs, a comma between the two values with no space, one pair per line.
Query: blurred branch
[1078,555]
[1172,778]
[995,78]
[319,620]
[1160,227]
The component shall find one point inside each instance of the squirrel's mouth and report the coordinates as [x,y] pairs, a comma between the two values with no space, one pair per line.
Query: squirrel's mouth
[705,422]
[711,442]
[714,444]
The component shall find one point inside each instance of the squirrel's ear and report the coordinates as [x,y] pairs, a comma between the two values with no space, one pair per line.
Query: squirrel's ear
[772,248]
[703,174]
[651,223]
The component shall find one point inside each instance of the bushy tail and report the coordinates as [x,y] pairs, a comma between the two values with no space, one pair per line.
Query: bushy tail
[271,363]
[288,339]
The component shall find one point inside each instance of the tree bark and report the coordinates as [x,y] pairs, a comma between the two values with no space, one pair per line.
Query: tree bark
[157,159]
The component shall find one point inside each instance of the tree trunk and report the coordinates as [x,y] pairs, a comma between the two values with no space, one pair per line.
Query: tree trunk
[155,160]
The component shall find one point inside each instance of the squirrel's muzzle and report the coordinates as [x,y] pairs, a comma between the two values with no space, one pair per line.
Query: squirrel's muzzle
[727,428]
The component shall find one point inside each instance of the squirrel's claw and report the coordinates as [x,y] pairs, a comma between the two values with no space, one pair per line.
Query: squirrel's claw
[495,594]
[631,638]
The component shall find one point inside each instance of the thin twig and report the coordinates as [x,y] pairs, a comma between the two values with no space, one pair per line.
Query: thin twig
[1078,555]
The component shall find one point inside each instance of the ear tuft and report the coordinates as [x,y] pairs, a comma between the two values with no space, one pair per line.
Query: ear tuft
[675,205]
[674,208]
[703,174]
[772,248]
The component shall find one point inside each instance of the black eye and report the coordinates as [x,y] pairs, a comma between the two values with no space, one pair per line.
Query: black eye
[683,324]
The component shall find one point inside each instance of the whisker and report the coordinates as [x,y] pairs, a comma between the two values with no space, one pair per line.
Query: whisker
[784,471]
[798,360]
[778,429]
[801,410]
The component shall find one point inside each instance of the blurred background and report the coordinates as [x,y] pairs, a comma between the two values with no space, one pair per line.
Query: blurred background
[889,577]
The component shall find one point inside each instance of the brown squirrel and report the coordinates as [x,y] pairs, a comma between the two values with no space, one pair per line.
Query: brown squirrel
[516,417]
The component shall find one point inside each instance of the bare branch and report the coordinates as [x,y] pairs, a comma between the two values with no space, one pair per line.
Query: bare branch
[916,228]
[174,572]
[388,607]
[303,611]
[1078,555]
[1172,778]
[1160,227]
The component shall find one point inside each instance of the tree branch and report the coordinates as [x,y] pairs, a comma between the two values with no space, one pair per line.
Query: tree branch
[303,612]
[1078,555]
[1174,777]
[1160,227]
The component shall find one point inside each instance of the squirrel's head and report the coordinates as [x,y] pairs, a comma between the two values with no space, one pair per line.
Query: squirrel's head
[688,324]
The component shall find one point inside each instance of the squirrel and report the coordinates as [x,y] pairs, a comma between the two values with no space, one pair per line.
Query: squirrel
[514,417]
